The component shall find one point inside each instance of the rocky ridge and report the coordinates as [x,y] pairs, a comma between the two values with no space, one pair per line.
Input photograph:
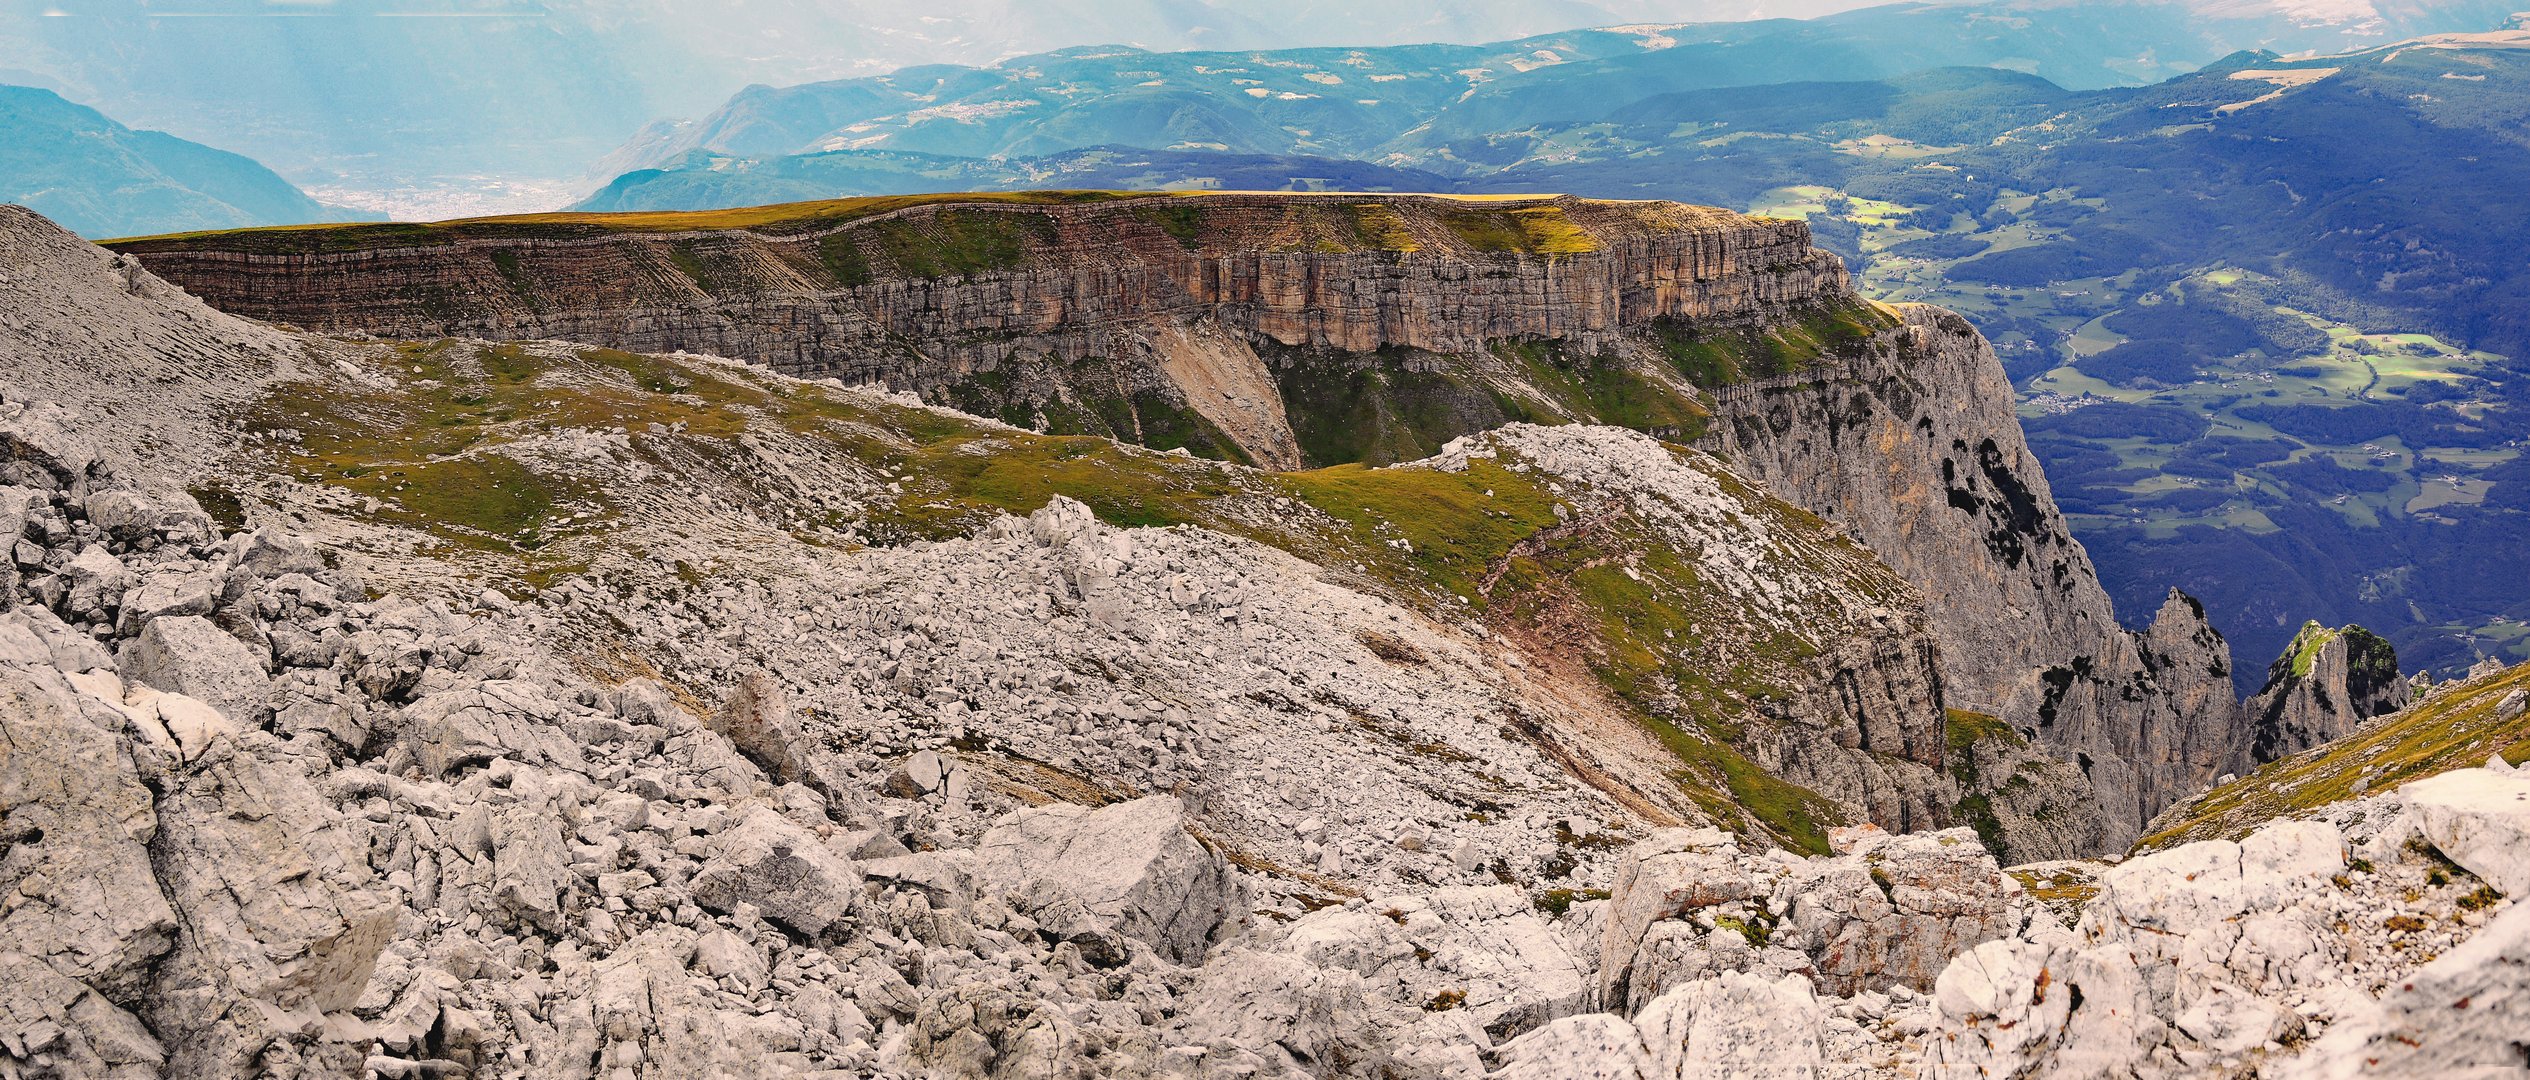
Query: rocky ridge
[1162,320]
[2445,726]
[2326,683]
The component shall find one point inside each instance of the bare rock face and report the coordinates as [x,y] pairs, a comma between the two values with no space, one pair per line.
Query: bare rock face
[1887,911]
[1482,952]
[1734,1024]
[2481,819]
[2326,682]
[1854,714]
[89,921]
[1909,440]
[1130,869]
[191,655]
[283,920]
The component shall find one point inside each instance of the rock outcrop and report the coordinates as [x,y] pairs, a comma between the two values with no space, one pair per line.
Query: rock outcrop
[1888,911]
[1909,440]
[1130,870]
[2209,956]
[2480,818]
[2326,683]
[1286,330]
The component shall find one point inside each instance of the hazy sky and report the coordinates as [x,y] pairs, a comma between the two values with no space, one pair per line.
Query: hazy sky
[362,89]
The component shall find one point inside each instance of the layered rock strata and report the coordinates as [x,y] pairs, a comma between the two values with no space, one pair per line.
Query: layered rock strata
[1042,309]
[738,796]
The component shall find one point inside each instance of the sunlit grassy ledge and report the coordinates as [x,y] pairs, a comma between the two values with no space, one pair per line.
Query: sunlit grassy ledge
[1523,222]
[2455,728]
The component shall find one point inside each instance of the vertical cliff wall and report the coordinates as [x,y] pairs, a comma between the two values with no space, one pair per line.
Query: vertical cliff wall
[1909,440]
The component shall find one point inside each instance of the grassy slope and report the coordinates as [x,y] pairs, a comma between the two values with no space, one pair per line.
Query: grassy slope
[2454,729]
[431,443]
[780,218]
[1484,222]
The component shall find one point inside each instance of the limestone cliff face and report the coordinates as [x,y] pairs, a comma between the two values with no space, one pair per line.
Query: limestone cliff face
[1910,441]
[2326,682]
[1119,316]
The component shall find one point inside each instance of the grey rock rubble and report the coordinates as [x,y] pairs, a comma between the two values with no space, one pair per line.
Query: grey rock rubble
[420,847]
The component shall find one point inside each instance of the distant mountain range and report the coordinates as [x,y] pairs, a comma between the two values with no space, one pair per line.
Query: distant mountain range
[704,179]
[1436,106]
[337,96]
[353,92]
[99,178]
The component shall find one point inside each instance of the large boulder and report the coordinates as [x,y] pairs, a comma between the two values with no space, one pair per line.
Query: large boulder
[1734,1025]
[1481,950]
[1884,911]
[1592,1046]
[191,655]
[45,445]
[92,584]
[130,517]
[75,825]
[64,646]
[2025,1008]
[1673,872]
[1267,1014]
[283,917]
[2481,820]
[757,720]
[162,593]
[784,870]
[1130,869]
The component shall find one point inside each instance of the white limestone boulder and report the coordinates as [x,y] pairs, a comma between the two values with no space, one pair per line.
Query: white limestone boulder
[191,655]
[2480,819]
[1592,1046]
[75,822]
[784,870]
[1482,950]
[1130,869]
